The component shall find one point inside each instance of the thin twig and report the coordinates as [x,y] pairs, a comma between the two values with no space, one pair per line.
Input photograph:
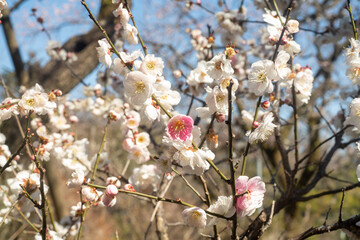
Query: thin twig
[341,206]
[352,19]
[156,198]
[189,185]
[326,121]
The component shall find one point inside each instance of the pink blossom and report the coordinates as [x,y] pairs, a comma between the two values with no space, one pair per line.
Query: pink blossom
[252,194]
[180,127]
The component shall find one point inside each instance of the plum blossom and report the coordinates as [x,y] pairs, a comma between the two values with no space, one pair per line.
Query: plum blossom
[303,83]
[9,108]
[104,52]
[261,75]
[194,217]
[54,50]
[142,139]
[114,181]
[192,160]
[129,187]
[219,67]
[281,65]
[180,127]
[89,193]
[292,26]
[123,14]
[354,116]
[131,34]
[145,179]
[108,200]
[264,130]
[216,100]
[198,77]
[77,179]
[50,234]
[152,65]
[352,53]
[223,206]
[353,73]
[167,97]
[139,154]
[36,100]
[138,87]
[252,194]
[3,5]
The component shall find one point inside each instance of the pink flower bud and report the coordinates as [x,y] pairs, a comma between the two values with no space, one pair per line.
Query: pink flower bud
[113,180]
[108,201]
[265,105]
[220,117]
[129,187]
[126,105]
[255,124]
[111,190]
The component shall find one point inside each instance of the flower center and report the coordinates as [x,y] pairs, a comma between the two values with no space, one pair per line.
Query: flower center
[220,98]
[356,72]
[150,65]
[179,125]
[140,87]
[357,112]
[262,77]
[30,102]
[202,74]
[195,214]
[218,65]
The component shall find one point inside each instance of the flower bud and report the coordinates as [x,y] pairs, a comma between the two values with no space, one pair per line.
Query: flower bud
[113,180]
[111,190]
[177,73]
[114,116]
[129,187]
[265,105]
[255,124]
[73,119]
[220,117]
[108,201]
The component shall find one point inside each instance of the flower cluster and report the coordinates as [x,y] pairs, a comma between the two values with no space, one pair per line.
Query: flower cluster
[3,5]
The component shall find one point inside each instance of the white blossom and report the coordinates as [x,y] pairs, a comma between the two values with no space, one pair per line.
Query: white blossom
[104,52]
[223,206]
[131,34]
[261,75]
[194,217]
[264,130]
[152,65]
[281,65]
[219,67]
[77,179]
[138,87]
[145,179]
[123,14]
[36,100]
